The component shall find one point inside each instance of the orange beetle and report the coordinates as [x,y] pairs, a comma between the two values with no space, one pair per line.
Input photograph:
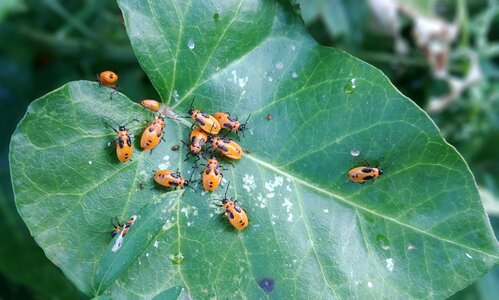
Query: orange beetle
[117,226]
[197,139]
[228,122]
[124,148]
[152,105]
[170,179]
[211,175]
[236,215]
[153,134]
[108,78]
[361,174]
[228,147]
[205,121]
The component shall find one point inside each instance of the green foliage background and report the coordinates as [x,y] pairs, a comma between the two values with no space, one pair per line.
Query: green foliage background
[48,43]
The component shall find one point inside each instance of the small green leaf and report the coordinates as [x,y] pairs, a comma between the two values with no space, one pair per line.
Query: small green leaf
[419,231]
[115,260]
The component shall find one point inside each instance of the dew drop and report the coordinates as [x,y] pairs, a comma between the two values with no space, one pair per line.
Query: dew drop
[190,43]
[270,78]
[355,152]
[90,162]
[177,259]
[350,87]
[383,241]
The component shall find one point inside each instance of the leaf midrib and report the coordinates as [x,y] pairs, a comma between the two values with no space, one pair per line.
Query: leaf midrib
[363,208]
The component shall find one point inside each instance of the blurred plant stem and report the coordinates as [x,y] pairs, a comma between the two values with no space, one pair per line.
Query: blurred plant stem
[74,46]
[463,23]
[75,22]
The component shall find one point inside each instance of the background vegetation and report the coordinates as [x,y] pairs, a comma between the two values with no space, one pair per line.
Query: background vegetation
[48,43]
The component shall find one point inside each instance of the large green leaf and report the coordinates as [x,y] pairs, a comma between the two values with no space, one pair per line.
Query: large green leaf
[419,231]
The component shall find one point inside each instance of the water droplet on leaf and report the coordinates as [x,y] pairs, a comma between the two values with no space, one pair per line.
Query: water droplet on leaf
[383,241]
[355,152]
[190,43]
[350,87]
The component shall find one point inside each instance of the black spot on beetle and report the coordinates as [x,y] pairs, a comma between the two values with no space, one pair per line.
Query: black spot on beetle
[266,284]
[367,170]
[368,177]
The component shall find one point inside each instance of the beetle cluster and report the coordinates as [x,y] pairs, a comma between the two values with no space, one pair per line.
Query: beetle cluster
[203,135]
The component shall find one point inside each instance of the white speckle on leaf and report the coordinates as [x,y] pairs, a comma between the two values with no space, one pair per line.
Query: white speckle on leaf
[262,201]
[270,195]
[410,247]
[89,162]
[279,65]
[175,95]
[353,82]
[243,81]
[389,264]
[164,166]
[168,224]
[189,223]
[288,188]
[293,47]
[270,78]
[249,183]
[147,254]
[271,185]
[369,284]
[109,144]
[325,210]
[185,210]
[468,255]
[288,206]
[294,74]
[211,215]
[188,210]
[156,244]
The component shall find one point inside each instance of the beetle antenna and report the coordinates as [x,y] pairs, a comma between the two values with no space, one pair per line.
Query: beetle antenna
[192,103]
[136,120]
[226,189]
[243,126]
